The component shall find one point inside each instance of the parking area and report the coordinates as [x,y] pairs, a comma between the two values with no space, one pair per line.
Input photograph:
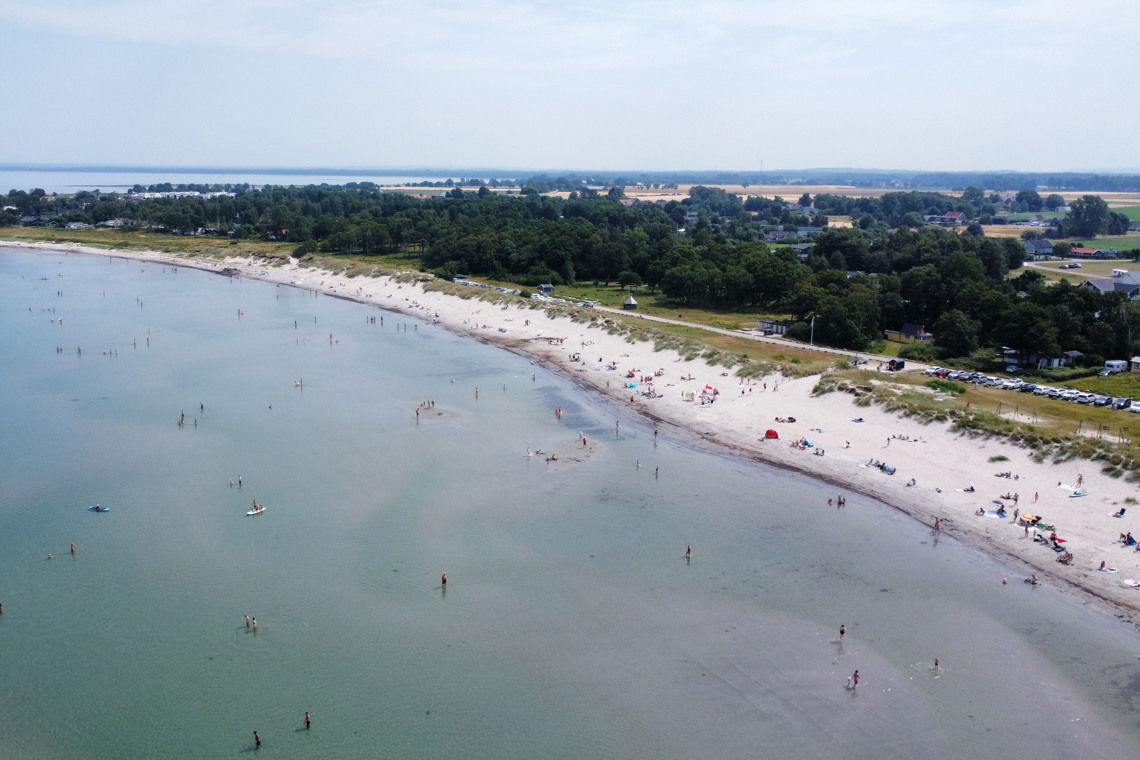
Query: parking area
[1122,403]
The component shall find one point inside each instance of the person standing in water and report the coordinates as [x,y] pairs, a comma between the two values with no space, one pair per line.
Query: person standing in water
[256,740]
[443,579]
[842,631]
[688,551]
[308,720]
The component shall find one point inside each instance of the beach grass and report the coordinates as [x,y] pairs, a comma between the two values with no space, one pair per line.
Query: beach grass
[190,245]
[1052,430]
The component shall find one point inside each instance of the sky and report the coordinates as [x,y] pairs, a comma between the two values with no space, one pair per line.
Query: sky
[1027,85]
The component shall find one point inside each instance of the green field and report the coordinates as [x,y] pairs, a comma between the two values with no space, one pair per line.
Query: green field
[1132,212]
[1119,242]
[1025,217]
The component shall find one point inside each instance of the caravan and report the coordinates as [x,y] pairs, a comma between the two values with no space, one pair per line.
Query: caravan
[1113,367]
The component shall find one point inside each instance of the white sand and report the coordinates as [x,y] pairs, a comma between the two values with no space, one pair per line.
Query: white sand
[941,462]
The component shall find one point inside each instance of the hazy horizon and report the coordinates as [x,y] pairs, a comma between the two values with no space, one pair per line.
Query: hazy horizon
[472,170]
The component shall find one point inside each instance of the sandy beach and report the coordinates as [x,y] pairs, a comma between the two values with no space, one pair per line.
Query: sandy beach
[927,470]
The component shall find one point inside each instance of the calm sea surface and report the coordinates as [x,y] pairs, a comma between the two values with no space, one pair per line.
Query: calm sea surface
[571,627]
[74,180]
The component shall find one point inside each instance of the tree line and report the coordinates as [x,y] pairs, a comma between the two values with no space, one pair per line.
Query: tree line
[706,250]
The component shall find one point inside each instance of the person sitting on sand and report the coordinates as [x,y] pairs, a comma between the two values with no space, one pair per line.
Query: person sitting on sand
[981,511]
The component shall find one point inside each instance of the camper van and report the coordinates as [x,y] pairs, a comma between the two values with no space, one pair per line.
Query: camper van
[1113,366]
[1119,272]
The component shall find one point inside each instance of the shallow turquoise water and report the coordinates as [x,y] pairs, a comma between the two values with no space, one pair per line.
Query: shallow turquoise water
[570,627]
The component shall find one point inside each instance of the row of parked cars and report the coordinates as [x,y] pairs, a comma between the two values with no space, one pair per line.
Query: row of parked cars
[1017,384]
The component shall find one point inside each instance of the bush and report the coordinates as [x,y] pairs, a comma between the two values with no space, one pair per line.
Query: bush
[1062,374]
[798,331]
[918,352]
[946,386]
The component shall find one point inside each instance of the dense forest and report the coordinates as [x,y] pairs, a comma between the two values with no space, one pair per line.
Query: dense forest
[710,250]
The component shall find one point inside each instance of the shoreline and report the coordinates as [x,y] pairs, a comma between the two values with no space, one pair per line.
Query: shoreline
[716,409]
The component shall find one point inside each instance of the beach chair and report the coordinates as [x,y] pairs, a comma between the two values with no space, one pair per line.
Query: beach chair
[1120,513]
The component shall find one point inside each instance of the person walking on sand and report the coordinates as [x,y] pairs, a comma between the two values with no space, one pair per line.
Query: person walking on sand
[842,631]
[854,680]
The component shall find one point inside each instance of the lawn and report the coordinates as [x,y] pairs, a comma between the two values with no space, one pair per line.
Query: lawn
[1088,269]
[1030,214]
[1119,242]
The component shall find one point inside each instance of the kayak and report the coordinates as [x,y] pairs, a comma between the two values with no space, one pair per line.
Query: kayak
[254,512]
[97,508]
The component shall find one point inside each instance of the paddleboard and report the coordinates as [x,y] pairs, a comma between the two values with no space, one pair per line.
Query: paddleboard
[254,512]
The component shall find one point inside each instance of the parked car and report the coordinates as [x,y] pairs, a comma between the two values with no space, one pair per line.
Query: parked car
[1123,402]
[1085,398]
[1013,384]
[1102,400]
[1028,387]
[1134,408]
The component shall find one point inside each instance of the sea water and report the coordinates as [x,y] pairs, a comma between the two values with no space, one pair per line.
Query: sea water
[63,179]
[571,625]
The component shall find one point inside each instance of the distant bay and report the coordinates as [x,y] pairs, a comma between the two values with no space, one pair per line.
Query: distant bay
[68,179]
